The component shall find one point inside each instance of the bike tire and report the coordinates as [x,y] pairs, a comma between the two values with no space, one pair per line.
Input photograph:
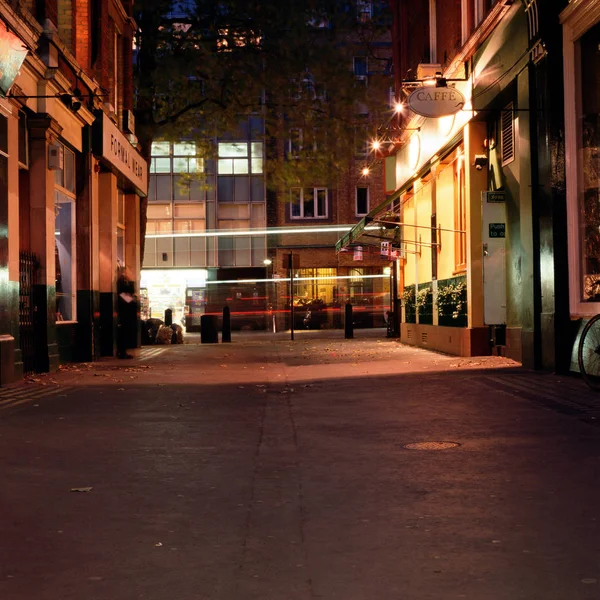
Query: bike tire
[588,353]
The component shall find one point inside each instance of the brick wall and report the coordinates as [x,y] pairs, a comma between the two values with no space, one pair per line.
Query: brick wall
[65,21]
[81,26]
[448,30]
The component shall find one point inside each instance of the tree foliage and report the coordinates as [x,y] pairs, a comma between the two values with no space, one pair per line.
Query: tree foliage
[201,64]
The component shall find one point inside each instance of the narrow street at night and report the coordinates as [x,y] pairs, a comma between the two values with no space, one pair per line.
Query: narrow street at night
[267,469]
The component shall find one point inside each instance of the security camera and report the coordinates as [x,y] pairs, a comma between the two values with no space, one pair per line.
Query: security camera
[481,161]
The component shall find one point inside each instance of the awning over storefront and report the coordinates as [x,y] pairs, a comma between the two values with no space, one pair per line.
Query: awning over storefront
[383,222]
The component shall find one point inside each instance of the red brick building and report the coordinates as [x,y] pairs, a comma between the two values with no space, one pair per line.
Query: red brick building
[73,166]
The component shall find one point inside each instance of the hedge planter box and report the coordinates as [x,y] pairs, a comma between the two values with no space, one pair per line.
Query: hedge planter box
[459,341]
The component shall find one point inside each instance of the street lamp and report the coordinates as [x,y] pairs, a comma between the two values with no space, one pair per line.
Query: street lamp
[268,262]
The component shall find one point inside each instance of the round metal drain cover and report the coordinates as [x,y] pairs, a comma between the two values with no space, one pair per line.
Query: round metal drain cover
[431,445]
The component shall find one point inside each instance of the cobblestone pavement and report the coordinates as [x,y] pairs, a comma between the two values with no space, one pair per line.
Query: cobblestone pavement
[267,469]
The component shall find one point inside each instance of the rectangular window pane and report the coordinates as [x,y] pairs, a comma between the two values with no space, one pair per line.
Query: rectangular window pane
[180,165]
[152,188]
[257,150]
[362,200]
[196,165]
[184,149]
[241,191]
[163,188]
[181,188]
[256,127]
[295,195]
[197,189]
[257,191]
[225,166]
[240,166]
[65,255]
[162,165]
[257,165]
[225,251]
[120,207]
[159,211]
[225,189]
[308,204]
[69,164]
[322,203]
[233,149]
[121,246]
[160,149]
[360,66]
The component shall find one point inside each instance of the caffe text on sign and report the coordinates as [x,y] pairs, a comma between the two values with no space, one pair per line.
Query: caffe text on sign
[436,102]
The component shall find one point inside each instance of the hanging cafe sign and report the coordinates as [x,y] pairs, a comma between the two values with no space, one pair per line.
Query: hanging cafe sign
[435,101]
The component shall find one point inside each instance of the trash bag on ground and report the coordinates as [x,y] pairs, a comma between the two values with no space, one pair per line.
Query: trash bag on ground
[164,335]
[150,328]
[177,337]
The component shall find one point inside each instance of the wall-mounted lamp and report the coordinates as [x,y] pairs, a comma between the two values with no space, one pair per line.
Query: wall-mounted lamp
[481,160]
[267,262]
[72,101]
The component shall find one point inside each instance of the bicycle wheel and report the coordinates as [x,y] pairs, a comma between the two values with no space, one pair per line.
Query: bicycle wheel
[588,354]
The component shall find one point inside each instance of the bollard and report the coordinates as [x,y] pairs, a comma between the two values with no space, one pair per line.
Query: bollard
[209,330]
[168,317]
[348,324]
[226,332]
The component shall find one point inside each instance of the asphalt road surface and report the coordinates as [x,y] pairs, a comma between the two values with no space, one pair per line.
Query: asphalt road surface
[322,468]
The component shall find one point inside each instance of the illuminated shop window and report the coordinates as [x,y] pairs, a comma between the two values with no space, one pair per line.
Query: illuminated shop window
[64,237]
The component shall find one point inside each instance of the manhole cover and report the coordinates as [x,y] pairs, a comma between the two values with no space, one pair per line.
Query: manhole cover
[431,445]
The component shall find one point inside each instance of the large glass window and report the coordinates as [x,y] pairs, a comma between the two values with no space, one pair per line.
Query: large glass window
[308,203]
[176,173]
[64,237]
[590,164]
[240,172]
[240,158]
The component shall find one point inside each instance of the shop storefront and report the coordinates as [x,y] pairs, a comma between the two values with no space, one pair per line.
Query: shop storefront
[581,39]
[122,179]
[458,216]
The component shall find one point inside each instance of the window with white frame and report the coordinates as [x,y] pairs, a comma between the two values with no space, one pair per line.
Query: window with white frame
[362,200]
[308,203]
[64,237]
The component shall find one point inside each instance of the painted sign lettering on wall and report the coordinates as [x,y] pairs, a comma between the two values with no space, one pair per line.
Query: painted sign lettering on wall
[114,147]
[436,101]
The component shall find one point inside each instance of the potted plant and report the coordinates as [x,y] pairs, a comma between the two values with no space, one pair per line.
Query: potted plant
[424,303]
[408,301]
[451,302]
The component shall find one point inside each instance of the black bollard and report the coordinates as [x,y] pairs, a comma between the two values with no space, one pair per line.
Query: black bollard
[226,332]
[348,324]
[168,317]
[209,331]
